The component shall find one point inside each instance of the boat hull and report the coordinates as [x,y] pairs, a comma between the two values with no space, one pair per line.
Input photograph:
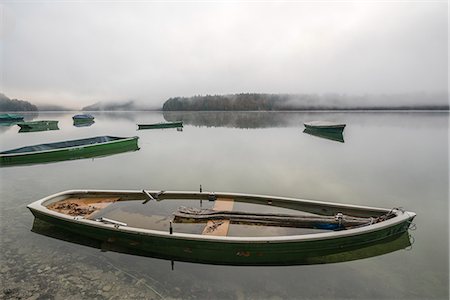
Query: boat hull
[288,250]
[89,151]
[328,128]
[388,245]
[160,125]
[4,118]
[38,125]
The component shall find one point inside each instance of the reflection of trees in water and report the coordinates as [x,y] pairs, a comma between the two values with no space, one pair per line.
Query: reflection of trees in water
[437,120]
[127,115]
[234,119]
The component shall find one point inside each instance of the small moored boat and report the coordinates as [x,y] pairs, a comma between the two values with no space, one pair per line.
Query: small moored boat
[38,125]
[324,125]
[161,125]
[221,228]
[83,117]
[10,117]
[67,150]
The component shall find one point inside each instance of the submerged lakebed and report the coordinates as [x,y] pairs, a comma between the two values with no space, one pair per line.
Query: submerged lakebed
[384,161]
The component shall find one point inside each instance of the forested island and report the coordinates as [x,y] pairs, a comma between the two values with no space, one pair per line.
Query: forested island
[286,102]
[7,104]
[257,102]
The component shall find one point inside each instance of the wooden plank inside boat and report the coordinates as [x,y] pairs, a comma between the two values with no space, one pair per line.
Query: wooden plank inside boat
[84,207]
[219,227]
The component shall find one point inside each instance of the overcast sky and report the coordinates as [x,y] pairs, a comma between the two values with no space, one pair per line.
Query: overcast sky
[77,53]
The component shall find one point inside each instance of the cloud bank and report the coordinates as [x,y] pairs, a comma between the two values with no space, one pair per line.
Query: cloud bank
[79,53]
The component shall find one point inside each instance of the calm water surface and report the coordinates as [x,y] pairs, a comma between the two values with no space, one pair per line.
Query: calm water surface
[387,160]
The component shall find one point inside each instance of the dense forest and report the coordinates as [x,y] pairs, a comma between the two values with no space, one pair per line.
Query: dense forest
[284,102]
[7,104]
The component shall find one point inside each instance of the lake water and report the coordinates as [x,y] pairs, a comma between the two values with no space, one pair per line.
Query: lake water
[387,159]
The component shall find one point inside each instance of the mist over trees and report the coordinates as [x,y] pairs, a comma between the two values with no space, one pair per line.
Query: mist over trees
[116,106]
[284,102]
[7,104]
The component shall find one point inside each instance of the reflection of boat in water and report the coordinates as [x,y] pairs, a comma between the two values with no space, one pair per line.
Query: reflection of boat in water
[83,123]
[68,150]
[388,245]
[227,229]
[233,119]
[161,125]
[326,134]
[5,118]
[325,126]
[42,125]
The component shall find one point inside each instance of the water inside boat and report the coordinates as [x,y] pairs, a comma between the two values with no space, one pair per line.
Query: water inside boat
[139,212]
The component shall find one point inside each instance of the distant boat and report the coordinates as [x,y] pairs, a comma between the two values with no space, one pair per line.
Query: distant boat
[333,135]
[324,125]
[160,125]
[39,125]
[219,234]
[68,150]
[10,118]
[83,117]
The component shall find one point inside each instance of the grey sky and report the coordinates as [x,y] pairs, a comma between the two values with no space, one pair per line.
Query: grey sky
[77,53]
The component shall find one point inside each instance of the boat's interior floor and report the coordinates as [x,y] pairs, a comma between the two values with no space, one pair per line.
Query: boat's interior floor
[157,215]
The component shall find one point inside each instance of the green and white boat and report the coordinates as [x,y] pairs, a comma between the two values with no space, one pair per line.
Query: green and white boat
[160,125]
[68,150]
[221,228]
[372,249]
[325,126]
[10,118]
[41,125]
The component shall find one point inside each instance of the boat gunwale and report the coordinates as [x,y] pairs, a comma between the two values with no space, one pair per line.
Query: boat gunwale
[121,139]
[400,217]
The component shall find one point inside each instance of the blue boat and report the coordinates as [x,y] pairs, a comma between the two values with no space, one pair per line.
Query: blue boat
[83,117]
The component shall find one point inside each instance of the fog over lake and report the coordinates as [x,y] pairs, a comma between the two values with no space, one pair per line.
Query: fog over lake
[78,53]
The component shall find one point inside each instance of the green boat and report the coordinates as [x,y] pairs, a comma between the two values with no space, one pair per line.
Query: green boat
[388,245]
[325,126]
[68,150]
[37,128]
[41,125]
[160,125]
[10,118]
[221,228]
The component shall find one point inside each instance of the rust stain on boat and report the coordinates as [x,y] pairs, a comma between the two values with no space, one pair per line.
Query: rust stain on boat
[84,207]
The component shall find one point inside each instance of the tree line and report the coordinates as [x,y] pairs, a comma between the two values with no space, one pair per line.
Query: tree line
[285,102]
[7,104]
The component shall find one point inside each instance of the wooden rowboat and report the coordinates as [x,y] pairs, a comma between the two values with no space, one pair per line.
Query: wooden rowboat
[160,125]
[371,249]
[68,150]
[10,118]
[221,228]
[83,117]
[324,125]
[38,125]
